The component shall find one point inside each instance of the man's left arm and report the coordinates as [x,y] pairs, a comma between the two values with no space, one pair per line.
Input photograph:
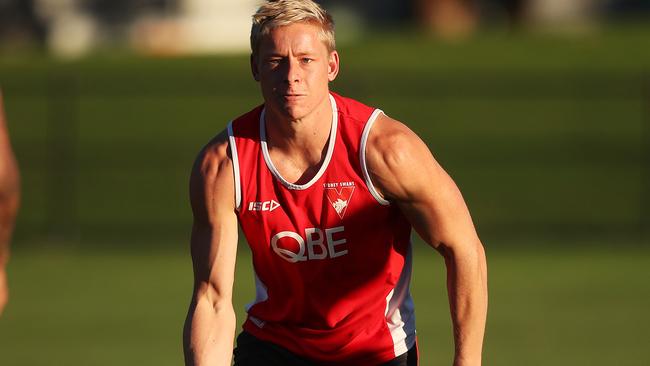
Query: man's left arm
[405,173]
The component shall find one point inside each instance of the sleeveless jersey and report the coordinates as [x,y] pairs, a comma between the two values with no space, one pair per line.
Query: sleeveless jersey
[332,258]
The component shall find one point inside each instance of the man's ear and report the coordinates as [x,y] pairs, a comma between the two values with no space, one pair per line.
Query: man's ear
[333,64]
[254,68]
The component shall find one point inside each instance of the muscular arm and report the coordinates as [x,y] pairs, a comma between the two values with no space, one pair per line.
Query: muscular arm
[9,201]
[405,172]
[210,324]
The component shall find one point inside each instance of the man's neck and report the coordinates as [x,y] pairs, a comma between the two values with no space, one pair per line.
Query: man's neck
[306,136]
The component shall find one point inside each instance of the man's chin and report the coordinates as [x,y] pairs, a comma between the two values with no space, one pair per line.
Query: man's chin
[292,112]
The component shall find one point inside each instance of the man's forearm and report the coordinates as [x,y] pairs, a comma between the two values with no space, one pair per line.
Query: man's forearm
[208,334]
[468,298]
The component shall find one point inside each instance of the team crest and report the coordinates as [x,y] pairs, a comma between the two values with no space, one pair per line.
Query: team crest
[339,198]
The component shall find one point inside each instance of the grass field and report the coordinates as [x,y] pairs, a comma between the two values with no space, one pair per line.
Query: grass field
[548,138]
[557,306]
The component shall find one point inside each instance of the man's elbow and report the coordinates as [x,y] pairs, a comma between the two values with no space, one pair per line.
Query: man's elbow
[218,301]
[208,311]
[469,252]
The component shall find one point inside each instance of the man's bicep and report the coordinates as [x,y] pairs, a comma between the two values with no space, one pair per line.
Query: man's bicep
[407,174]
[438,211]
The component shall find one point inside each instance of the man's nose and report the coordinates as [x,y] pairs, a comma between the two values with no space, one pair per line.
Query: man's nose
[293,71]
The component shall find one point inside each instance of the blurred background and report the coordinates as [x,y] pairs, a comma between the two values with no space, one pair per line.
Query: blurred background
[539,109]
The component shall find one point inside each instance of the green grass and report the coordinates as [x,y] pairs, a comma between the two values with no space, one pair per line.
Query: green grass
[551,304]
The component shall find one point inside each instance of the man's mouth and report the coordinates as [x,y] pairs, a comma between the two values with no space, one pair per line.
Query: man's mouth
[292,96]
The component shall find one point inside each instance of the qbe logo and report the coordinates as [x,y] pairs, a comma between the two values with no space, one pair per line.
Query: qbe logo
[316,244]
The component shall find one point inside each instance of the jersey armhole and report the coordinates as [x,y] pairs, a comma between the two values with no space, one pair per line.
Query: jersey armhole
[235,166]
[362,156]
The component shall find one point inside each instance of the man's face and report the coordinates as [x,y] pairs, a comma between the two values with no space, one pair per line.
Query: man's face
[294,68]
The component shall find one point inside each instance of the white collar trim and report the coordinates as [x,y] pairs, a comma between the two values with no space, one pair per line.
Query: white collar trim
[328,156]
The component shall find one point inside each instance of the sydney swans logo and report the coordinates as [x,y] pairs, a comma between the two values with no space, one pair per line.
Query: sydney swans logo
[339,198]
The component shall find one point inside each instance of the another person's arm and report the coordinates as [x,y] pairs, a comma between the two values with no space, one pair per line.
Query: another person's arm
[404,171]
[210,324]
[9,202]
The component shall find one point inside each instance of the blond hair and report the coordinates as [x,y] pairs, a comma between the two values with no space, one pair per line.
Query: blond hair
[278,13]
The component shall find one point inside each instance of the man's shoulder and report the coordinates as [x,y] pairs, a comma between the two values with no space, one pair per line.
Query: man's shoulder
[215,152]
[389,132]
[391,142]
[212,179]
[395,157]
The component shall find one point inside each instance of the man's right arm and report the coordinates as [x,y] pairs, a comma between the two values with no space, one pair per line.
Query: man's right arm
[210,324]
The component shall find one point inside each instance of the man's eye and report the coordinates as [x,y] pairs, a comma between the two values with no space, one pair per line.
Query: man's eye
[307,60]
[274,61]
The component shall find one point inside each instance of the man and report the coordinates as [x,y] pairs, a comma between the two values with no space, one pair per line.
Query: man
[9,200]
[325,190]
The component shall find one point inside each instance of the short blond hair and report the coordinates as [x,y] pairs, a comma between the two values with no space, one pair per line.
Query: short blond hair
[278,13]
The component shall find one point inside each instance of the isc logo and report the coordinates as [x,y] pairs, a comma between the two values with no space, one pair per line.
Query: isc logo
[313,246]
[263,206]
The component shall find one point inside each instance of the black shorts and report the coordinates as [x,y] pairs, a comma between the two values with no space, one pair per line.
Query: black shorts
[251,351]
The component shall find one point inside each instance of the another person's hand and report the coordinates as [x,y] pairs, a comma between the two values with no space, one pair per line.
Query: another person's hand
[4,290]
[9,202]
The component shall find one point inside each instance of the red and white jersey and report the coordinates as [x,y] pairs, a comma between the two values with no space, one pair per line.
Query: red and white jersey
[332,258]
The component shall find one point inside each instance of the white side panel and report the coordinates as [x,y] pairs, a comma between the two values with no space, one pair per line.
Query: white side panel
[261,292]
[261,295]
[400,311]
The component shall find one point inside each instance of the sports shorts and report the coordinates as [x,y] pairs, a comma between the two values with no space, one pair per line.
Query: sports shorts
[251,351]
